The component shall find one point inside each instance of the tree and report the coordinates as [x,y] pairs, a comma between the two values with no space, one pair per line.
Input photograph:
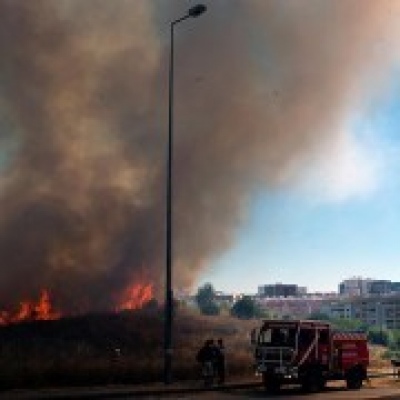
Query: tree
[205,299]
[377,335]
[210,308]
[245,308]
[348,324]
[319,316]
[394,339]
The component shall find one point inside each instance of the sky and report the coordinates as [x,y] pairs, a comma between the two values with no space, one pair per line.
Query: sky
[341,220]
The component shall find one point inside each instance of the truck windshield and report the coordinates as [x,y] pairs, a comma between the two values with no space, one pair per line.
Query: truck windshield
[277,337]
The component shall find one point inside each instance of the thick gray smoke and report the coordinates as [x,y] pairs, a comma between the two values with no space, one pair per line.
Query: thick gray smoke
[83,106]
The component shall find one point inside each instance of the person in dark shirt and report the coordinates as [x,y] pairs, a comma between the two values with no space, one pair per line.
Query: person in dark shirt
[206,356]
[220,361]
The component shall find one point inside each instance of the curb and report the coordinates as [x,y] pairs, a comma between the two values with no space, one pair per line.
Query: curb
[107,393]
[123,392]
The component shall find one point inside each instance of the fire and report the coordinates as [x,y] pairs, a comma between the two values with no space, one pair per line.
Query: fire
[136,296]
[31,311]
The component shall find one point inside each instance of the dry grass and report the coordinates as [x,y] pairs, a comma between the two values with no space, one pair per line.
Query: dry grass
[196,329]
[377,362]
[81,351]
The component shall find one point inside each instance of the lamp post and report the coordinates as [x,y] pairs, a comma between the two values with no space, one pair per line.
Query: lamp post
[193,12]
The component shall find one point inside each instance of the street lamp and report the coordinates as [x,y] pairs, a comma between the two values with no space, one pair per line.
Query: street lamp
[193,12]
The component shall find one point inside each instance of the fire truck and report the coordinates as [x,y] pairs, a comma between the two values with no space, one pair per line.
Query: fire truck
[308,353]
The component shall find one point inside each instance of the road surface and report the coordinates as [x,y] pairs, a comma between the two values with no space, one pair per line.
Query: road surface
[238,391]
[288,394]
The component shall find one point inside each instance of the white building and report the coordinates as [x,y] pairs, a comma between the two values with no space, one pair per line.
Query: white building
[382,311]
[356,286]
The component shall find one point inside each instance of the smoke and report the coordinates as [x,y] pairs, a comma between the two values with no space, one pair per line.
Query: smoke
[260,86]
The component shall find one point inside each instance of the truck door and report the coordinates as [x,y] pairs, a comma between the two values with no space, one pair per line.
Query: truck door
[307,344]
[323,347]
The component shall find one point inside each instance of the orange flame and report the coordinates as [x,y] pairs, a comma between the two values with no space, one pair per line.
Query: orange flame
[31,311]
[136,296]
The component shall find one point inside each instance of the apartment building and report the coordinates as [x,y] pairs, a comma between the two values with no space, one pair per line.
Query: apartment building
[355,286]
[294,307]
[358,286]
[281,290]
[382,311]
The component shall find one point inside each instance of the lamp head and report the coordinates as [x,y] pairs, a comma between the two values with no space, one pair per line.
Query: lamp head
[197,10]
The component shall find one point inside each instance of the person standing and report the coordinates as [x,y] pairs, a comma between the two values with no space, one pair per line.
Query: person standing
[220,362]
[206,356]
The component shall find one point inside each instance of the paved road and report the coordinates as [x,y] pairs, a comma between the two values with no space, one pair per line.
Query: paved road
[288,394]
[237,391]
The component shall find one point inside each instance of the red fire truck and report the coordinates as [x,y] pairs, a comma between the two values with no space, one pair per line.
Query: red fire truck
[310,353]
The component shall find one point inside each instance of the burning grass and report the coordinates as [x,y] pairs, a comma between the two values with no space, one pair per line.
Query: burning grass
[115,348]
[31,310]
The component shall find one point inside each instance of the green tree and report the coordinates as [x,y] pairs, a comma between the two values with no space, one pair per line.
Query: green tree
[394,340]
[377,335]
[210,308]
[205,299]
[245,308]
[319,316]
[348,324]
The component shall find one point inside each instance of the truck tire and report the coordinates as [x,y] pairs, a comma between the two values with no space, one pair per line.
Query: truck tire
[271,383]
[354,379]
[313,381]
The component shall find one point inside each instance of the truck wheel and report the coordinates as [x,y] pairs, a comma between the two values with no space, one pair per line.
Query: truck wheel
[271,383]
[354,379]
[313,382]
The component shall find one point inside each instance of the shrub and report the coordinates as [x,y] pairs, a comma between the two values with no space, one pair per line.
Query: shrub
[245,308]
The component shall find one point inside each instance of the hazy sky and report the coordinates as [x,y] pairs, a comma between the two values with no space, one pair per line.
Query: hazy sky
[342,220]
